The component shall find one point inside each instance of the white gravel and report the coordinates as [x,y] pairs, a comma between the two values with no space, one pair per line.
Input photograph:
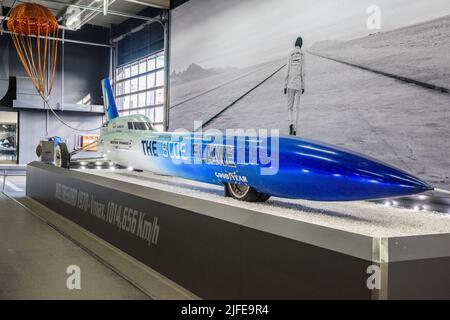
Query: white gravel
[358,217]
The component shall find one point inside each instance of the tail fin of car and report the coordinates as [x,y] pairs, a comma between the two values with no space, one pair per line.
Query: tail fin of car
[108,100]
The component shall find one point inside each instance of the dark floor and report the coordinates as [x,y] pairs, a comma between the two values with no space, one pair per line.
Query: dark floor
[34,258]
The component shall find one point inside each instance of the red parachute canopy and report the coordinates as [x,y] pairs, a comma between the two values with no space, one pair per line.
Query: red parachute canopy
[33,26]
[32,19]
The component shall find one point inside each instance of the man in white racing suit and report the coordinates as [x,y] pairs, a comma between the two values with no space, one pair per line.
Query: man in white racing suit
[295,84]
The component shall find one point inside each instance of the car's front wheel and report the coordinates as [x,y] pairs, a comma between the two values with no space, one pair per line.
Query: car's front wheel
[245,193]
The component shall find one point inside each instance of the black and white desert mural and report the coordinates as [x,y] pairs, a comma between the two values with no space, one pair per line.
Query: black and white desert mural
[377,76]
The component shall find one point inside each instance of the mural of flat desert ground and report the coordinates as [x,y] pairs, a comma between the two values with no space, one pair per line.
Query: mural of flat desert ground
[196,98]
[400,123]
[419,52]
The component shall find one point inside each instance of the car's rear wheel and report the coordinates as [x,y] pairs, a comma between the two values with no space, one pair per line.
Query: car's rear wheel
[39,150]
[62,156]
[245,193]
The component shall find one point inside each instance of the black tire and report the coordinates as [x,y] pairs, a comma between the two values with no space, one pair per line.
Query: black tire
[62,156]
[263,197]
[39,150]
[245,193]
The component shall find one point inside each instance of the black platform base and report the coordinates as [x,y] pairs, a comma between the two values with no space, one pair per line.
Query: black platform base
[220,251]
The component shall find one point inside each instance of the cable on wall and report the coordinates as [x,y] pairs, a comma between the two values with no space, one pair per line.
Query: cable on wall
[64,122]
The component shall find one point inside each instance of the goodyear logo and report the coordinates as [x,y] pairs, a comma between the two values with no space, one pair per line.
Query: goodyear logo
[231,176]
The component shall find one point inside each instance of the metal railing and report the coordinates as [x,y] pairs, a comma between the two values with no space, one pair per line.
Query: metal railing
[14,170]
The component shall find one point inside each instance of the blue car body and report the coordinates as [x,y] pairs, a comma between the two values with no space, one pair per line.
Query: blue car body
[305,169]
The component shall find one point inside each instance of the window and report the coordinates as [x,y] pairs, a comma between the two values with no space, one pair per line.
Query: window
[140,126]
[139,88]
[8,136]
[86,100]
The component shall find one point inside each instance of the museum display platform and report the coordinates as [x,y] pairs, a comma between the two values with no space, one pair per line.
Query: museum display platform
[220,248]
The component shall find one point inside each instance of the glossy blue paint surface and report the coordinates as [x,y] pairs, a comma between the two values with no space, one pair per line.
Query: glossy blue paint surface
[316,171]
[307,170]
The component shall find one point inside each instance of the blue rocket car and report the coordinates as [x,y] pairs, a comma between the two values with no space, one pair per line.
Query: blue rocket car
[251,168]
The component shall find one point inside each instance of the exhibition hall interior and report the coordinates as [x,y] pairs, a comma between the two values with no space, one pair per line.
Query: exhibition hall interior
[224,150]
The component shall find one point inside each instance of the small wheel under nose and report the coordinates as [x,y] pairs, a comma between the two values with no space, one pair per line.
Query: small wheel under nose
[245,193]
